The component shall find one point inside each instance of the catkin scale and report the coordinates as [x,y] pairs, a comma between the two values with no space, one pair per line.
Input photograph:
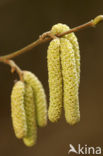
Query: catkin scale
[55,80]
[39,98]
[17,110]
[70,82]
[30,138]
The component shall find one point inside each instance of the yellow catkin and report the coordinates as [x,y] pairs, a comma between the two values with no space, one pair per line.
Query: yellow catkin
[30,138]
[70,82]
[55,80]
[60,28]
[39,98]
[17,110]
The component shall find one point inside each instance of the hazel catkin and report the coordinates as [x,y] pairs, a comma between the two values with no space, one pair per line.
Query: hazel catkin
[17,110]
[39,97]
[30,138]
[55,80]
[70,82]
[70,71]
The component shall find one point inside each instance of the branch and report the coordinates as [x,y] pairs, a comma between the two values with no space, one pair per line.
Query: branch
[43,38]
[48,36]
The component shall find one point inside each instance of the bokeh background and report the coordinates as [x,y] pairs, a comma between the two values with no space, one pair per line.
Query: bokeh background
[21,22]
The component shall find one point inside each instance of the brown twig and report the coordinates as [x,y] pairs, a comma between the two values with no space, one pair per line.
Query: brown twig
[44,38]
[47,37]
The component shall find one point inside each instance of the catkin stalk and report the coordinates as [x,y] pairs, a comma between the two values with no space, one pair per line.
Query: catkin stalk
[30,138]
[55,80]
[70,82]
[39,98]
[17,110]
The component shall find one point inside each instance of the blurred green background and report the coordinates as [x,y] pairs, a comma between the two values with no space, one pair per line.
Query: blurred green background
[21,22]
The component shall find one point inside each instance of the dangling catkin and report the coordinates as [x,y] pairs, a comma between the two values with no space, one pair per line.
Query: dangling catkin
[30,138]
[55,80]
[70,82]
[60,28]
[39,98]
[17,110]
